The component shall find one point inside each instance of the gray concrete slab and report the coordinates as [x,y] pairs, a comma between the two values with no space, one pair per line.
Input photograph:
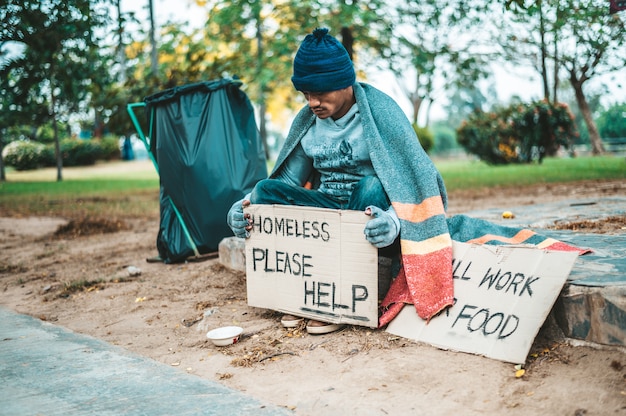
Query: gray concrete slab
[48,370]
[545,216]
[606,265]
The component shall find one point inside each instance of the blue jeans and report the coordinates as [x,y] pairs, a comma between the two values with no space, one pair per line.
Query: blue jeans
[368,191]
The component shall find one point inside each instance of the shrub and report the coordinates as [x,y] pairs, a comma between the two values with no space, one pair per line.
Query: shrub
[445,138]
[612,122]
[110,146]
[521,133]
[425,137]
[48,158]
[77,152]
[24,154]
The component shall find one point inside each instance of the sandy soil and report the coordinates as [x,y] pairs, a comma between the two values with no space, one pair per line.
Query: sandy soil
[76,274]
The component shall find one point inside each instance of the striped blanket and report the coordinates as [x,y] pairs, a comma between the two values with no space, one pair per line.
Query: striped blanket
[467,230]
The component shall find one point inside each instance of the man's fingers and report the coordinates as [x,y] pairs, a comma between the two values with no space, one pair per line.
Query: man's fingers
[373,211]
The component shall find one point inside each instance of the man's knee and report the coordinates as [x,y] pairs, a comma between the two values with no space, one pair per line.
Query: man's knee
[370,185]
[272,191]
[369,191]
[261,191]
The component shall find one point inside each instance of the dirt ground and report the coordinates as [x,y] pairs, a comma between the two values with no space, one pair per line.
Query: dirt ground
[92,276]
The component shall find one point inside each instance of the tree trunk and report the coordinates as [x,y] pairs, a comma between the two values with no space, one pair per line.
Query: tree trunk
[57,146]
[429,105]
[597,148]
[261,99]
[544,70]
[263,128]
[3,177]
[121,54]
[555,86]
[154,64]
[416,101]
[347,40]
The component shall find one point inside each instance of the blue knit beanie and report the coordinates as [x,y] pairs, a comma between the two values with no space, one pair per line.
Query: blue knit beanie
[322,64]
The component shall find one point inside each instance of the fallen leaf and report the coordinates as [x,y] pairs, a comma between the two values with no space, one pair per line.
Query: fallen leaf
[520,373]
[508,215]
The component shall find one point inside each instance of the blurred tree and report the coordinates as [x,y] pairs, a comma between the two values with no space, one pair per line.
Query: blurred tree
[261,38]
[612,122]
[23,105]
[430,38]
[594,97]
[596,45]
[425,137]
[580,37]
[525,33]
[445,138]
[60,62]
[464,100]
[184,56]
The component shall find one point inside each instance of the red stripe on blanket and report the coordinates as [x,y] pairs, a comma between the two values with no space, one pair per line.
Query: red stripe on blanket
[430,290]
[560,246]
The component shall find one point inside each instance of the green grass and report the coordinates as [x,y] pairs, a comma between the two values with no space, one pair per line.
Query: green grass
[108,190]
[131,189]
[474,174]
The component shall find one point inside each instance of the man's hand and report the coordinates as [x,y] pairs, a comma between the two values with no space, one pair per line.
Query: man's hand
[383,228]
[238,221]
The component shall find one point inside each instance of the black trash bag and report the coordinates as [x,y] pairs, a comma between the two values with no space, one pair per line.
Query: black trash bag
[209,154]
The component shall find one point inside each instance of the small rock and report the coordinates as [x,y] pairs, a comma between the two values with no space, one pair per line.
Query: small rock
[133,271]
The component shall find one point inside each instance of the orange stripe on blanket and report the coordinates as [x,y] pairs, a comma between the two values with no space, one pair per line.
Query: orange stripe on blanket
[419,212]
[547,243]
[430,245]
[518,238]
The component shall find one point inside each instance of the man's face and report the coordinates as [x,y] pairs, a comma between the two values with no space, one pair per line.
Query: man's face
[334,104]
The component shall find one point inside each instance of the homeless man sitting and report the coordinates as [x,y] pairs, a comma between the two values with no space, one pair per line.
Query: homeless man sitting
[352,145]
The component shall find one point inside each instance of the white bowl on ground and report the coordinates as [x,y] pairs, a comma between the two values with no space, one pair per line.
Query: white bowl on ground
[225,335]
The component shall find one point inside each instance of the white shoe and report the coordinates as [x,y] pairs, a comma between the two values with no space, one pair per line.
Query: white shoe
[319,328]
[290,321]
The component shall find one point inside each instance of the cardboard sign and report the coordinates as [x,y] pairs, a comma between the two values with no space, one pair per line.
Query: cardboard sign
[503,295]
[312,262]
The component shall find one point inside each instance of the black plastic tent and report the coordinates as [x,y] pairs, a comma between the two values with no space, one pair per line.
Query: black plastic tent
[205,145]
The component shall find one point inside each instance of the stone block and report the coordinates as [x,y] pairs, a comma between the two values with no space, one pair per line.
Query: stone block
[594,314]
[232,253]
